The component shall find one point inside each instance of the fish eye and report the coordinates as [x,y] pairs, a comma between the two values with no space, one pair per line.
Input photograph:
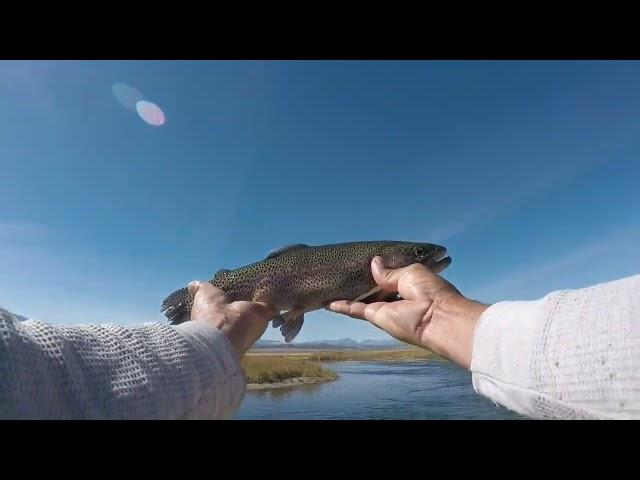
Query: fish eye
[420,252]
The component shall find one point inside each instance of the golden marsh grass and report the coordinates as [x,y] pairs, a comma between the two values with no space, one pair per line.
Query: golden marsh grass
[277,368]
[274,368]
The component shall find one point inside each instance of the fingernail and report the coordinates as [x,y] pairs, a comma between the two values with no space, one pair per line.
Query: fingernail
[337,305]
[377,260]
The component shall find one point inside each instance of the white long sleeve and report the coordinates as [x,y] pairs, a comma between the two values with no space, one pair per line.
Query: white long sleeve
[574,354]
[116,372]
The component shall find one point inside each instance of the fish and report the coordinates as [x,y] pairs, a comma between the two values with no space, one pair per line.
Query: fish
[300,278]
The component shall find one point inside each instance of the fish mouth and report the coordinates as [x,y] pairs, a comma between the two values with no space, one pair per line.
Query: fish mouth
[439,254]
[438,261]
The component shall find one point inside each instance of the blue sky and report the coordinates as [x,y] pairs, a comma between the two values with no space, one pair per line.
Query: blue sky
[527,171]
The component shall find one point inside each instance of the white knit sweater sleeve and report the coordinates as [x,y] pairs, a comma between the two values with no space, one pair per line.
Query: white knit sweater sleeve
[574,354]
[116,372]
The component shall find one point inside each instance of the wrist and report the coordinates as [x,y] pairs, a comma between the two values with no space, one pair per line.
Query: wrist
[238,342]
[452,328]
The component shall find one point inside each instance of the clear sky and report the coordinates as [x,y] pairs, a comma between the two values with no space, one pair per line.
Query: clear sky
[527,171]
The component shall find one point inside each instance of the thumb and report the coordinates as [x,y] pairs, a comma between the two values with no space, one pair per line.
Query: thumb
[387,278]
[207,291]
[391,279]
[193,287]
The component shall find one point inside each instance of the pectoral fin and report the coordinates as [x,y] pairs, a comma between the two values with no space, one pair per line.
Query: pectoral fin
[382,296]
[373,291]
[291,329]
[290,323]
[277,322]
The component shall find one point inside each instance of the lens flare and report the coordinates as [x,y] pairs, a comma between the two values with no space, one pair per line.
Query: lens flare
[150,113]
[126,95]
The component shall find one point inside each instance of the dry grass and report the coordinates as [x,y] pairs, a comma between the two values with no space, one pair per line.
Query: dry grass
[274,369]
[264,368]
[374,355]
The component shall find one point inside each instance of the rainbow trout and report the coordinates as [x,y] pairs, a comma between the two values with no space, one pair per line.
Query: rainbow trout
[299,278]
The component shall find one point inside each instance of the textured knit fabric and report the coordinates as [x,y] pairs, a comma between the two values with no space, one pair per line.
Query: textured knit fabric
[574,354]
[116,372]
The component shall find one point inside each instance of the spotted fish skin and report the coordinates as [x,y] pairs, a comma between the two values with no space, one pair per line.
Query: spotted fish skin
[300,278]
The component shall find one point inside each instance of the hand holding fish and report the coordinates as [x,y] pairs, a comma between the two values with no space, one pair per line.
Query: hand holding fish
[242,322]
[432,313]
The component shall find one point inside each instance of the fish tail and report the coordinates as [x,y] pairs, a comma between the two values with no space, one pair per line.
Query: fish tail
[176,307]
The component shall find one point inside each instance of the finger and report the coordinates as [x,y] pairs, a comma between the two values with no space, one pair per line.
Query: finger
[360,310]
[383,319]
[346,307]
[395,318]
[212,294]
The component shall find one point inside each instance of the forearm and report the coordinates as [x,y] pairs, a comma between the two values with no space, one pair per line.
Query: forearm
[105,372]
[572,354]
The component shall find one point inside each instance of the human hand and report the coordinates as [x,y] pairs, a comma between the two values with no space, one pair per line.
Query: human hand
[242,322]
[432,314]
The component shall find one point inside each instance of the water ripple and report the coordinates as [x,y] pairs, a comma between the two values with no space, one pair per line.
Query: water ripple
[411,390]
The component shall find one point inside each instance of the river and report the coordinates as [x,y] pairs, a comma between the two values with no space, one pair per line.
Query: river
[378,390]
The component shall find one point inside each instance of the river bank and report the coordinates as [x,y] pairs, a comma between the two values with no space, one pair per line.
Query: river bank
[289,382]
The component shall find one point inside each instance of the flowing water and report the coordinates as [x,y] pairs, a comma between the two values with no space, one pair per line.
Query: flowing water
[378,390]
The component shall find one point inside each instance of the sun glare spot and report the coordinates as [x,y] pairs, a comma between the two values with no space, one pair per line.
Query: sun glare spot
[150,113]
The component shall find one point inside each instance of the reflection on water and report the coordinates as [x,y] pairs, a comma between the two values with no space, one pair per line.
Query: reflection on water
[368,390]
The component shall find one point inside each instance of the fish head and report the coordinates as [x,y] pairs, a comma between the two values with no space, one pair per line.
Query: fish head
[402,254]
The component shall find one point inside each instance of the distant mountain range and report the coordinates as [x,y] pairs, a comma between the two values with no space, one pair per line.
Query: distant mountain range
[342,343]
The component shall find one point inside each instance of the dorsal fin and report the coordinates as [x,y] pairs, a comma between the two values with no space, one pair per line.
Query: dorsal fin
[285,249]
